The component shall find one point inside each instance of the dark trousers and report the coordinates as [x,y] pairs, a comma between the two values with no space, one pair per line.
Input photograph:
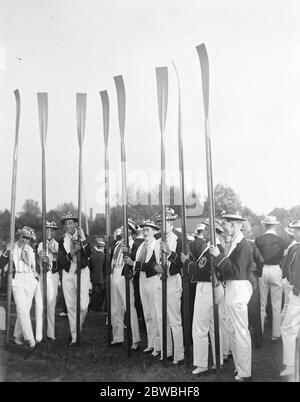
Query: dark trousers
[192,294]
[137,299]
[254,312]
[98,297]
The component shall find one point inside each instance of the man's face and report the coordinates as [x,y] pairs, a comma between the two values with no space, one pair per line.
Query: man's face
[70,226]
[148,233]
[169,226]
[297,234]
[206,233]
[23,240]
[228,228]
[50,234]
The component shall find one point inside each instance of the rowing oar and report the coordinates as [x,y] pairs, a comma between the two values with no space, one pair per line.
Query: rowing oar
[205,89]
[81,113]
[162,96]
[186,282]
[43,123]
[121,113]
[105,109]
[12,215]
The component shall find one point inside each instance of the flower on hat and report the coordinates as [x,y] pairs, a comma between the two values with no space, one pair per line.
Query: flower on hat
[149,223]
[51,225]
[170,215]
[68,215]
[28,232]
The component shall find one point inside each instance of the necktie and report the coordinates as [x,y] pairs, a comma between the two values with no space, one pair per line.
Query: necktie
[24,256]
[143,254]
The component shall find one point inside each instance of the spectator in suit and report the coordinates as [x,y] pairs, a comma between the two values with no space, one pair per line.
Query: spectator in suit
[97,267]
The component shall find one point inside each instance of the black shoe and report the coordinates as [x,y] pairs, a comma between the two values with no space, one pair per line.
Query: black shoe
[51,340]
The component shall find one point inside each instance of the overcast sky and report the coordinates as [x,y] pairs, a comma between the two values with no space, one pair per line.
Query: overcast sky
[68,46]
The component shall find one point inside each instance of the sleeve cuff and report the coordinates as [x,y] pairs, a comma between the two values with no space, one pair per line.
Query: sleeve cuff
[172,257]
[219,259]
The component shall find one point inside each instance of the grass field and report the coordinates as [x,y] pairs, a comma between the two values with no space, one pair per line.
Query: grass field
[94,361]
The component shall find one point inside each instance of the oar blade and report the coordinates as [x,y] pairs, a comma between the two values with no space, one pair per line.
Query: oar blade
[105,110]
[121,102]
[203,57]
[162,95]
[43,115]
[81,115]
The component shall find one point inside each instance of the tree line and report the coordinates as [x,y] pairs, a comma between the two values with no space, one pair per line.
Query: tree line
[225,200]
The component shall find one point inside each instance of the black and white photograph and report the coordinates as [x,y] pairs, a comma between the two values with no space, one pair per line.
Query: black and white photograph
[149,206]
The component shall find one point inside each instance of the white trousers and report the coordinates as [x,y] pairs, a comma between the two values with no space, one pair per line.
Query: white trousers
[203,324]
[52,286]
[69,282]
[23,288]
[237,296]
[271,280]
[290,329]
[174,324]
[287,288]
[118,307]
[223,330]
[147,293]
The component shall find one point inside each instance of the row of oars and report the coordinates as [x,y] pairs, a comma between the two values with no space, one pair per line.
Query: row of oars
[162,94]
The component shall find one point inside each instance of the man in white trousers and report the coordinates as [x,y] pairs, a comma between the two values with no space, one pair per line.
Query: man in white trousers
[118,294]
[203,318]
[50,257]
[144,262]
[271,247]
[24,283]
[172,248]
[235,269]
[291,324]
[74,241]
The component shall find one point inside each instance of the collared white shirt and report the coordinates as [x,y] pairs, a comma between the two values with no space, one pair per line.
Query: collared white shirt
[235,240]
[20,265]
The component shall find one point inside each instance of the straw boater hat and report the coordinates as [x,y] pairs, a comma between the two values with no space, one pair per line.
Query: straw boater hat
[270,220]
[100,241]
[27,232]
[295,224]
[133,226]
[118,231]
[68,216]
[233,217]
[218,226]
[149,224]
[201,226]
[170,215]
[51,225]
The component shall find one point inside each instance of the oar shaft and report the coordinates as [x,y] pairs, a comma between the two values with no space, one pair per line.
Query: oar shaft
[12,216]
[79,252]
[186,283]
[108,243]
[44,264]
